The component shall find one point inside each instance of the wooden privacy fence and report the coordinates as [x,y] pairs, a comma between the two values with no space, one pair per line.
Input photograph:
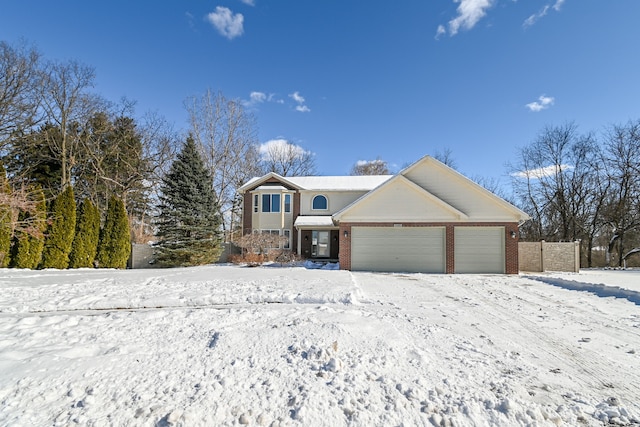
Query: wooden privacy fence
[549,256]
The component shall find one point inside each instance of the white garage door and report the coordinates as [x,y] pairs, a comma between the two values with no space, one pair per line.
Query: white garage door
[399,249]
[479,250]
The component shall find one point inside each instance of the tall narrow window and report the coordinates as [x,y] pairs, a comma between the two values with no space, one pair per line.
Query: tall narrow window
[287,203]
[255,203]
[275,203]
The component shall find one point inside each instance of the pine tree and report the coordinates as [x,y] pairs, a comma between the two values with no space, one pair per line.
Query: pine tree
[6,220]
[85,242]
[28,240]
[61,230]
[189,222]
[114,246]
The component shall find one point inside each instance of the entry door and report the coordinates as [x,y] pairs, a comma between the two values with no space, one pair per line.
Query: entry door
[320,244]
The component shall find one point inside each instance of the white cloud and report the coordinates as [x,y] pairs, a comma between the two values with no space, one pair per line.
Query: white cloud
[280,145]
[542,103]
[542,13]
[226,22]
[249,2]
[299,99]
[558,5]
[257,97]
[470,12]
[370,162]
[544,172]
[534,18]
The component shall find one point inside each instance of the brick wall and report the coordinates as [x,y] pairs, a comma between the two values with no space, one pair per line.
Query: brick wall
[511,244]
[247,212]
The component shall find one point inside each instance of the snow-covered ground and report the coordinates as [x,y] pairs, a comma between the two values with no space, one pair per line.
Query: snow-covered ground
[229,345]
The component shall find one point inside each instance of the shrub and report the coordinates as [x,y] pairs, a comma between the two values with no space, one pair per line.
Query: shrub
[61,230]
[114,246]
[85,242]
[28,240]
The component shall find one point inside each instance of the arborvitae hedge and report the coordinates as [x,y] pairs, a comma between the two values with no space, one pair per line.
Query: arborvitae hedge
[114,247]
[6,221]
[85,243]
[57,244]
[28,241]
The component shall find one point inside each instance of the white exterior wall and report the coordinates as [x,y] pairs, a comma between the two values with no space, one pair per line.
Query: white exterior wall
[459,193]
[401,202]
[336,200]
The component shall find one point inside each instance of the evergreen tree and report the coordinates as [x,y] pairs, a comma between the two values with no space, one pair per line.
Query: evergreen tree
[61,230]
[189,222]
[114,247]
[85,242]
[6,220]
[28,240]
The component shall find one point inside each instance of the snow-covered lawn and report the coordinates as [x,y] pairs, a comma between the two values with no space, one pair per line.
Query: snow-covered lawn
[227,345]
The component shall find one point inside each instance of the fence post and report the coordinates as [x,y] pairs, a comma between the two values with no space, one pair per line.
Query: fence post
[542,255]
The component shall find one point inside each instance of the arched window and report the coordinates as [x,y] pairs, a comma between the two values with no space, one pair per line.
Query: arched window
[319,203]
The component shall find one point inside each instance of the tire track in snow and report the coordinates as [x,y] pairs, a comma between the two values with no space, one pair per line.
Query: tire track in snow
[587,366]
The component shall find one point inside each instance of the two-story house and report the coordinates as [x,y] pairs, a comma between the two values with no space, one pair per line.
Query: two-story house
[426,218]
[301,209]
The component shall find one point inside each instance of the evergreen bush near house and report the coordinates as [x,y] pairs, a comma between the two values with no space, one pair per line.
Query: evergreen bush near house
[85,242]
[28,240]
[61,230]
[6,221]
[114,245]
[188,221]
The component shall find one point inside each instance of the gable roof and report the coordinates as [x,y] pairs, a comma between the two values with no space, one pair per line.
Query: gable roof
[456,189]
[321,183]
[386,202]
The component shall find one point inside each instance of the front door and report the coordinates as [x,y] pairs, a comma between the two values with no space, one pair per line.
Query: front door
[320,244]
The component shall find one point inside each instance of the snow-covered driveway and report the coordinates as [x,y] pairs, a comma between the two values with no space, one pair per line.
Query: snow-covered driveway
[226,345]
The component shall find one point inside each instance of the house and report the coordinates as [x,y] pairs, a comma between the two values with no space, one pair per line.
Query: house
[427,218]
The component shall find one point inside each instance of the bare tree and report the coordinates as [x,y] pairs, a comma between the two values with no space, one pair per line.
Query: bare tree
[19,78]
[446,157]
[67,104]
[371,167]
[622,159]
[287,159]
[552,181]
[226,134]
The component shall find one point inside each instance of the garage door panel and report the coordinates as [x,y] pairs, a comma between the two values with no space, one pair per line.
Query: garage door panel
[406,249]
[479,250]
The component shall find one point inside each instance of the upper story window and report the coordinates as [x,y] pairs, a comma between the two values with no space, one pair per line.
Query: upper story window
[271,203]
[319,203]
[287,203]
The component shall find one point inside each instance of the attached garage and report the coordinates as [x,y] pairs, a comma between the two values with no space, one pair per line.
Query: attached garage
[398,249]
[479,250]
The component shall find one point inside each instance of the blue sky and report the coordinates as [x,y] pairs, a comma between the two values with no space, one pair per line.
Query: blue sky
[356,80]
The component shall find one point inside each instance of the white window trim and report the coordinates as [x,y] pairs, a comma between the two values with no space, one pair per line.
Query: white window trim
[284,203]
[280,207]
[326,200]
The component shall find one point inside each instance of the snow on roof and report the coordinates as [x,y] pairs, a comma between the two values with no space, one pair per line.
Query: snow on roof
[271,187]
[314,221]
[337,183]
